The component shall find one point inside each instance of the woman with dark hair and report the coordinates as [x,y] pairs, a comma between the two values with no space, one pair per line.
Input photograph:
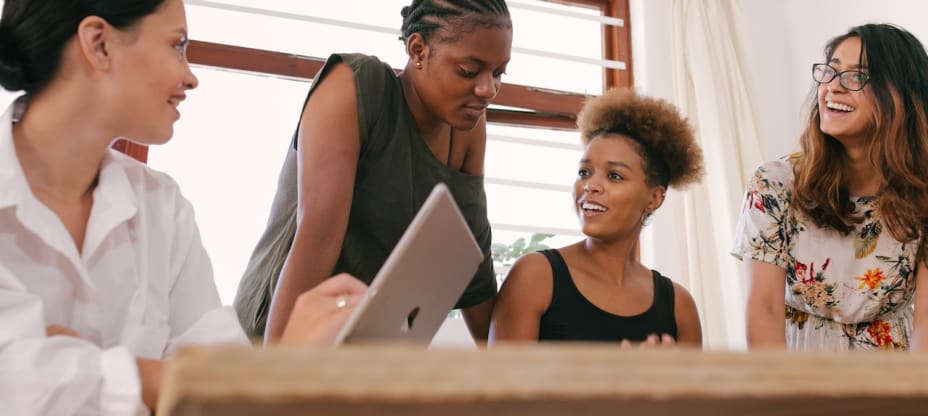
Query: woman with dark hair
[370,146]
[596,289]
[838,229]
[102,272]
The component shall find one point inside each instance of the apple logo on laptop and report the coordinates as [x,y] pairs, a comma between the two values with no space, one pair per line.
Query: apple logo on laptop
[410,319]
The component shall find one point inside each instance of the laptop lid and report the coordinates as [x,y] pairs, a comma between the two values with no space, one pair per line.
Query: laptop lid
[422,279]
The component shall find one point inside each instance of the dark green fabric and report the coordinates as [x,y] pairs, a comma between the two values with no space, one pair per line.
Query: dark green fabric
[396,172]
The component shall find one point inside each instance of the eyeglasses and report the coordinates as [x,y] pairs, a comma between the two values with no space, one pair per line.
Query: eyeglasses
[853,80]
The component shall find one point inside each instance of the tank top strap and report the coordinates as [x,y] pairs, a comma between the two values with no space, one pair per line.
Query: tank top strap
[559,271]
[664,296]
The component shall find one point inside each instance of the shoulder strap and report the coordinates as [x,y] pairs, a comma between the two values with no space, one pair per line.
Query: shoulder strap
[664,296]
[560,274]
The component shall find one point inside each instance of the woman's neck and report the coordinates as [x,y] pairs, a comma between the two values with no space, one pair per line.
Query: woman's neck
[863,178]
[430,127]
[60,145]
[616,260]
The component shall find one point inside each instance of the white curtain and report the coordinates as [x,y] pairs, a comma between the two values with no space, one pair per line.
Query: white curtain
[704,70]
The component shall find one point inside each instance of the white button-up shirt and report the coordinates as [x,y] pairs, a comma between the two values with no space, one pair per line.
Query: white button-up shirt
[142,286]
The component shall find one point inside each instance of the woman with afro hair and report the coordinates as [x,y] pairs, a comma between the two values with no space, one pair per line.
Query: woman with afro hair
[596,289]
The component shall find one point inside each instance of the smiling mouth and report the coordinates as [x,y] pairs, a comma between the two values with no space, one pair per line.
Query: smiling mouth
[590,208]
[839,107]
[176,100]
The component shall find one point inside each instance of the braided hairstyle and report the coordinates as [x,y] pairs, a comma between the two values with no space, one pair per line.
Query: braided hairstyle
[33,35]
[429,17]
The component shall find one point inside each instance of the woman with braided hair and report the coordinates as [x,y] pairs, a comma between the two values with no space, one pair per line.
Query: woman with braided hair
[369,148]
[596,289]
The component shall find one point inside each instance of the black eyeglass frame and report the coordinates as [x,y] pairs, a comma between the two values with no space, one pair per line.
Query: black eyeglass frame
[840,76]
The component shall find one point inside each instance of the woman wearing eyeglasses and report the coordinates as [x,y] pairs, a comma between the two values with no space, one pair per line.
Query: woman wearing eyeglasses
[836,229]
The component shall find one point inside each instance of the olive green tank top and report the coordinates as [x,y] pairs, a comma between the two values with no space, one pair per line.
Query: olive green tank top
[396,173]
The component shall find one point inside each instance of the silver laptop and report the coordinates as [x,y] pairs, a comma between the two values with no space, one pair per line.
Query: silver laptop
[421,280]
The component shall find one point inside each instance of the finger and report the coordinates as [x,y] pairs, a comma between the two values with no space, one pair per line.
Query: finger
[651,340]
[53,330]
[625,344]
[666,339]
[334,302]
[354,301]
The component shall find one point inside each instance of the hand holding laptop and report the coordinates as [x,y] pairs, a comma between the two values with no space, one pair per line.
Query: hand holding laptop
[319,314]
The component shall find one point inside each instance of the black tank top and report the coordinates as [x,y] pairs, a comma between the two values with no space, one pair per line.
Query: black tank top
[571,317]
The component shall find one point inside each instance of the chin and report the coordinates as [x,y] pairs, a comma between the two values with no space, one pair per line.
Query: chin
[591,232]
[154,138]
[838,135]
[465,124]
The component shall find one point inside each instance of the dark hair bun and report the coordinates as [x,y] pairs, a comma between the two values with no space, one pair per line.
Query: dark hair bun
[12,62]
[405,12]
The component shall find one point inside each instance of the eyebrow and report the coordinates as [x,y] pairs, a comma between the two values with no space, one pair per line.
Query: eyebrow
[610,163]
[481,62]
[851,66]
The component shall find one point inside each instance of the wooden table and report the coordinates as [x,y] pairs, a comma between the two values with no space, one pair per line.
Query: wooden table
[541,380]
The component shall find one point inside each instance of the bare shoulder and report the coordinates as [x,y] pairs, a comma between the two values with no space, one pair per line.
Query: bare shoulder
[335,84]
[684,304]
[531,267]
[689,329]
[531,280]
[681,294]
[523,300]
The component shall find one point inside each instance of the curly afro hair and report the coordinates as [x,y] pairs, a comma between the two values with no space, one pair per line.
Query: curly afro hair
[665,139]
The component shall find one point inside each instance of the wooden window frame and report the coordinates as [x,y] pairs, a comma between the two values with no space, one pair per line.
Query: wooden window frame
[540,107]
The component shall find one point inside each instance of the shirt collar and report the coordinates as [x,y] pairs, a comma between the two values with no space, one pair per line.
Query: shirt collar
[115,200]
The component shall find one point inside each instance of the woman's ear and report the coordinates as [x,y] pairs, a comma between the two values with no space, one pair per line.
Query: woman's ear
[658,194]
[417,49]
[95,38]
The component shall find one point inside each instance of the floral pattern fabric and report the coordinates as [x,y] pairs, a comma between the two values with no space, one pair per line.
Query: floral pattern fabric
[843,292]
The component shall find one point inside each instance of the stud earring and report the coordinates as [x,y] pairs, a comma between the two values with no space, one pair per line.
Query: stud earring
[419,65]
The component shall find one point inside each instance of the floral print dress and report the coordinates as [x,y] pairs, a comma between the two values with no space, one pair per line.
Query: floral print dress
[843,292]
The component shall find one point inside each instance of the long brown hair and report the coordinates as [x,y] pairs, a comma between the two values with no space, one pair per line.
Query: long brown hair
[898,69]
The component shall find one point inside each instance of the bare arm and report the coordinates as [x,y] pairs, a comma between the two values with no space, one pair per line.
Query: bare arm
[329,145]
[150,374]
[766,321]
[523,299]
[920,324]
[477,317]
[689,330]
